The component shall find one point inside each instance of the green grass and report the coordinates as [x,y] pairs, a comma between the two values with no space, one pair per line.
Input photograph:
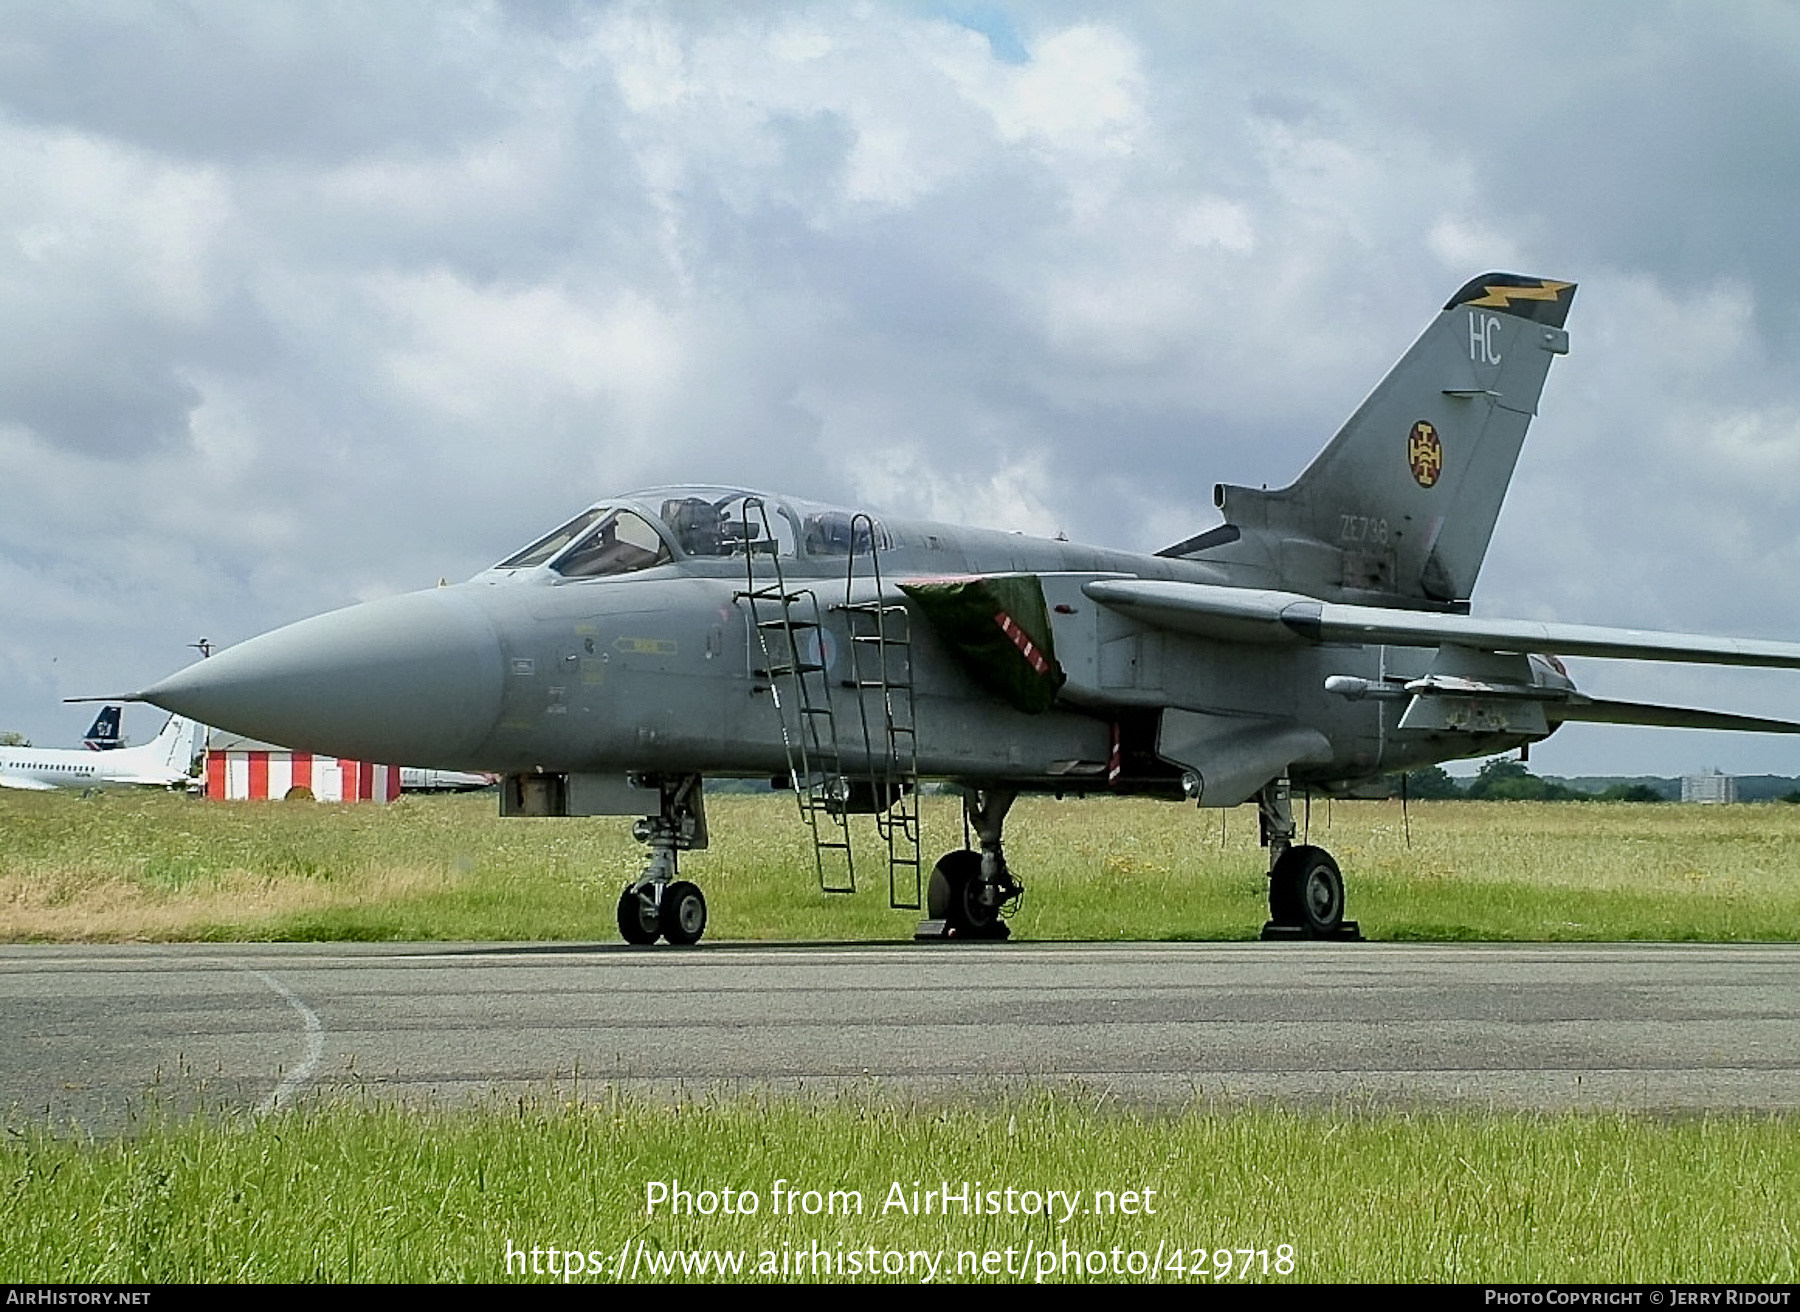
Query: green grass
[375,1193]
[155,867]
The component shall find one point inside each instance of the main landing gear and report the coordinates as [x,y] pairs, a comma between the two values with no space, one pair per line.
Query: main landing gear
[656,904]
[971,891]
[1306,890]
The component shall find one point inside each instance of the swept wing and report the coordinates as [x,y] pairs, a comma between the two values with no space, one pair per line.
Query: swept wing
[1266,616]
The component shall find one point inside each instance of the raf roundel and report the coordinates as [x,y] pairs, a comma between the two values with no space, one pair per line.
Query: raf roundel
[1425,453]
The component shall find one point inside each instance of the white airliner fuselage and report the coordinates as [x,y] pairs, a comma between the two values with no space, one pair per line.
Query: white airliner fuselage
[164,762]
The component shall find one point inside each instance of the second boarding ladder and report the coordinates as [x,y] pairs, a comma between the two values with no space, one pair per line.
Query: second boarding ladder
[881,670]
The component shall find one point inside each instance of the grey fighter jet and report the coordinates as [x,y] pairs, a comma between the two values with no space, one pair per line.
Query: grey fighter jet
[1318,636]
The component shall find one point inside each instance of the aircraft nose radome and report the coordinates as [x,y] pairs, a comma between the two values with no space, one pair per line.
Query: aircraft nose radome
[411,680]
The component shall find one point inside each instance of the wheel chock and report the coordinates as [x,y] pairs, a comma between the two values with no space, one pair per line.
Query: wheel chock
[1348,932]
[939,931]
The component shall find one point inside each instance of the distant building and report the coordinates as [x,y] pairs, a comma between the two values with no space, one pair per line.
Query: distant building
[1712,787]
[242,769]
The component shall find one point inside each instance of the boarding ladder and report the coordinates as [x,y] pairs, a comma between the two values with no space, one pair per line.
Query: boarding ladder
[791,636]
[881,669]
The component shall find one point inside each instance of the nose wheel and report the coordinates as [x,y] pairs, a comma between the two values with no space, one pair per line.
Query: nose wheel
[678,915]
[683,918]
[656,904]
[640,921]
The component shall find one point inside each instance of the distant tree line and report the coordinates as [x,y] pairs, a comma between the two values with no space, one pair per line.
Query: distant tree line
[1506,779]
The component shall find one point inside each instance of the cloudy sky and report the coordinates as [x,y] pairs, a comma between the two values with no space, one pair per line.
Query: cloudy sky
[310,303]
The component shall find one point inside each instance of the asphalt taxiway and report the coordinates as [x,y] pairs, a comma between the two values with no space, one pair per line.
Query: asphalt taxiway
[97,1035]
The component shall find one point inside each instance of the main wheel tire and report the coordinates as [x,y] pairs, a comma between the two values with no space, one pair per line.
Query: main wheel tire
[638,921]
[954,896]
[1307,889]
[683,913]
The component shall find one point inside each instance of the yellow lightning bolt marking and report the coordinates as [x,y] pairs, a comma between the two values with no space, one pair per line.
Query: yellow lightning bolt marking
[1502,297]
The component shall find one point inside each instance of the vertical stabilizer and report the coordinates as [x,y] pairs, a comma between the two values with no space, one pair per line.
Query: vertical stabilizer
[173,747]
[103,736]
[1400,506]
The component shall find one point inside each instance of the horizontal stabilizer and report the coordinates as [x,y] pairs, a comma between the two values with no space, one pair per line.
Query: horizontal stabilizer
[1592,710]
[1258,615]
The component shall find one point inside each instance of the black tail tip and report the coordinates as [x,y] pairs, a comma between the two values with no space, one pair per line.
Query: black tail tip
[1542,300]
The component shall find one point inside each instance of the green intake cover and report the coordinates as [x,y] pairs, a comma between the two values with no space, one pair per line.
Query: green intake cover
[1000,628]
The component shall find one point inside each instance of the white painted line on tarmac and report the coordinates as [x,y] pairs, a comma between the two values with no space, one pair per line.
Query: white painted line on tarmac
[295,1079]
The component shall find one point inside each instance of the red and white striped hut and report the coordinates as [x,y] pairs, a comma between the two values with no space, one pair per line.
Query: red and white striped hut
[242,769]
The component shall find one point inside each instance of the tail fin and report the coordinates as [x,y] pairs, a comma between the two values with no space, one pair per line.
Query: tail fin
[104,735]
[173,747]
[1401,505]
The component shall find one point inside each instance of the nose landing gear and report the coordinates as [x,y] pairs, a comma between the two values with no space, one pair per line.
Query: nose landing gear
[656,904]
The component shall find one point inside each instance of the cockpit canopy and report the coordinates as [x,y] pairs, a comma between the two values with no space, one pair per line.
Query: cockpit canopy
[644,529]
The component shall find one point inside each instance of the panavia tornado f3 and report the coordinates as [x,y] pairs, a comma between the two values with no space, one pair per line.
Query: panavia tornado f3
[1319,636]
